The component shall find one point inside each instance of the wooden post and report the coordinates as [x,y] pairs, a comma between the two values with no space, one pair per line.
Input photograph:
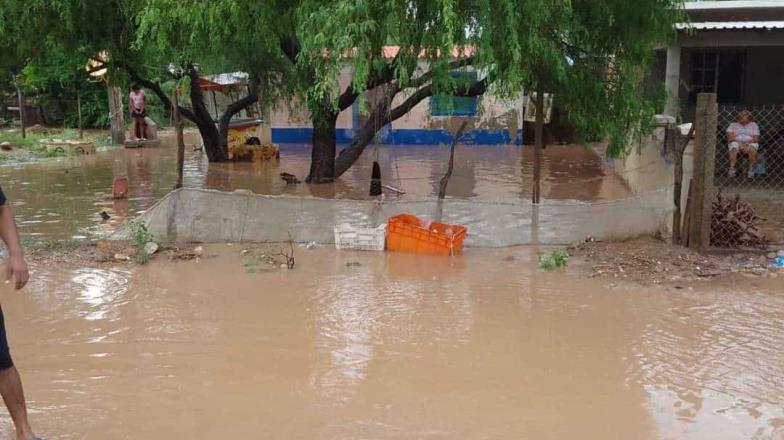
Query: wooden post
[703,190]
[79,112]
[679,146]
[180,141]
[538,143]
[116,113]
[20,100]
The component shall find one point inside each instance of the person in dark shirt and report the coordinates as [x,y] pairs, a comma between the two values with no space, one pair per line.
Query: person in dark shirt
[17,275]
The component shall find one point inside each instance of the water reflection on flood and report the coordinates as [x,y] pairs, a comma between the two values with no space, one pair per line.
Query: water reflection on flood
[62,198]
[399,347]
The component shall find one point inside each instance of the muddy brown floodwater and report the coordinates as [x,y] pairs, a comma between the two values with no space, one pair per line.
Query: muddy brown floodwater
[62,198]
[481,346]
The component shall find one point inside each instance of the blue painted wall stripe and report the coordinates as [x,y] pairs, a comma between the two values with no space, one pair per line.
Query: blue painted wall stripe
[401,136]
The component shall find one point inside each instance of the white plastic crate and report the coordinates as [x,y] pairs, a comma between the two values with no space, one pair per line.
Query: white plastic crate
[357,238]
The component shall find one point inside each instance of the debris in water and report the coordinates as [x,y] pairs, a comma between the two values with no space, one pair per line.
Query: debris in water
[375,180]
[198,250]
[121,257]
[509,258]
[289,178]
[393,189]
[105,216]
[151,248]
[353,264]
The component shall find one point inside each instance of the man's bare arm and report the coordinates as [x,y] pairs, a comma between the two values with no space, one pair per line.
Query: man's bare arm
[731,135]
[16,267]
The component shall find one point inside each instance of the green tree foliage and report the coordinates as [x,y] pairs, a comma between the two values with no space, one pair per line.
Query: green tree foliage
[590,53]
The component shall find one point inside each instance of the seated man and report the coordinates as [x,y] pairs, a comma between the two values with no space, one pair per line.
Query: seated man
[743,136]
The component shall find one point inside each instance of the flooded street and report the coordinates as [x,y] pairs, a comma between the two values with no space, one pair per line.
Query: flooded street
[481,346]
[62,198]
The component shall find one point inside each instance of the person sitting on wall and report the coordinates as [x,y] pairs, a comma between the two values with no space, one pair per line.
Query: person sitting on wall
[743,137]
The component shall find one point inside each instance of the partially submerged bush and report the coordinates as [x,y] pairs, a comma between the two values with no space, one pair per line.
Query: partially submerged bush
[553,260]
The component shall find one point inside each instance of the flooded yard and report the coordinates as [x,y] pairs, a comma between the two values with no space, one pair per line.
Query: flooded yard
[62,198]
[374,345]
[391,346]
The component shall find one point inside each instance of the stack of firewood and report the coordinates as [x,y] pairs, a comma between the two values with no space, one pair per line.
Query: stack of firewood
[734,224]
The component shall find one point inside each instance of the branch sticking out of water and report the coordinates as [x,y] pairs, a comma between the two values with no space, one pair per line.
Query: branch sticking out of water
[450,168]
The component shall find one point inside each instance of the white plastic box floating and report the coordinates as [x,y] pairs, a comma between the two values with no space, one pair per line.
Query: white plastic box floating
[359,238]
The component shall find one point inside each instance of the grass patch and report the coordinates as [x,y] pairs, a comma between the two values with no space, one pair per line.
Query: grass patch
[554,260]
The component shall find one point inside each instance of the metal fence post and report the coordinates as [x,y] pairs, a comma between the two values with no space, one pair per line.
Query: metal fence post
[703,190]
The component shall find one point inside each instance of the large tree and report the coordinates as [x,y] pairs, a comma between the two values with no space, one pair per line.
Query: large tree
[219,37]
[392,49]
[143,40]
[590,53]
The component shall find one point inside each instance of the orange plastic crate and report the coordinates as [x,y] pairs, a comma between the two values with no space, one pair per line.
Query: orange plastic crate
[406,233]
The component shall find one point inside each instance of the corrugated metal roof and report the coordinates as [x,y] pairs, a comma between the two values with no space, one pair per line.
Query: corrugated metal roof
[731,25]
[736,4]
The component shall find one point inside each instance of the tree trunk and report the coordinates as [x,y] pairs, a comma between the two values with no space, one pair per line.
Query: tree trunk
[214,146]
[116,113]
[20,102]
[79,111]
[180,141]
[322,161]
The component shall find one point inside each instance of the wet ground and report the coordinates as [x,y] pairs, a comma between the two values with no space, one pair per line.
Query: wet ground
[392,346]
[62,198]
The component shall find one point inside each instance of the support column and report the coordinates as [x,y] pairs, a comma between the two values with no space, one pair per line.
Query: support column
[672,81]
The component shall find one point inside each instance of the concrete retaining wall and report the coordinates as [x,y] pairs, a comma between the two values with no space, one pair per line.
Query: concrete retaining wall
[198,215]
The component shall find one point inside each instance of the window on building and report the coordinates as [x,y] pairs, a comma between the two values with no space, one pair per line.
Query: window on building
[445,105]
[720,72]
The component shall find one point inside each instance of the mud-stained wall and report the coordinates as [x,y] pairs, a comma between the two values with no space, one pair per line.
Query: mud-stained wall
[198,215]
[646,167]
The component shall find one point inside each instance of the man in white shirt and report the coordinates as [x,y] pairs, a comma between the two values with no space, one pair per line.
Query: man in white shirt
[743,136]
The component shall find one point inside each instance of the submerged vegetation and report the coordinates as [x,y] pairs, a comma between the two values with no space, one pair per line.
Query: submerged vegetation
[554,260]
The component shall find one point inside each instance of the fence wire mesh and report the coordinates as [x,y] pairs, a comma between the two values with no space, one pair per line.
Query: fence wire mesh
[749,209]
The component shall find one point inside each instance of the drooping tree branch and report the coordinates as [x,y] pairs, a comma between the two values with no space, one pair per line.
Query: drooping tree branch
[383,115]
[236,106]
[156,88]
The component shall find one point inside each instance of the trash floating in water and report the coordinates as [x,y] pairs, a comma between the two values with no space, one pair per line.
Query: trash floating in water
[409,234]
[353,264]
[778,263]
[358,238]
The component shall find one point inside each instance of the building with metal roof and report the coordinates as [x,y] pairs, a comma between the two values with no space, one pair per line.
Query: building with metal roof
[732,48]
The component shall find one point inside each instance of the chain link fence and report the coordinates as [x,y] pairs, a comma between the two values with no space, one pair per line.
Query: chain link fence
[749,177]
